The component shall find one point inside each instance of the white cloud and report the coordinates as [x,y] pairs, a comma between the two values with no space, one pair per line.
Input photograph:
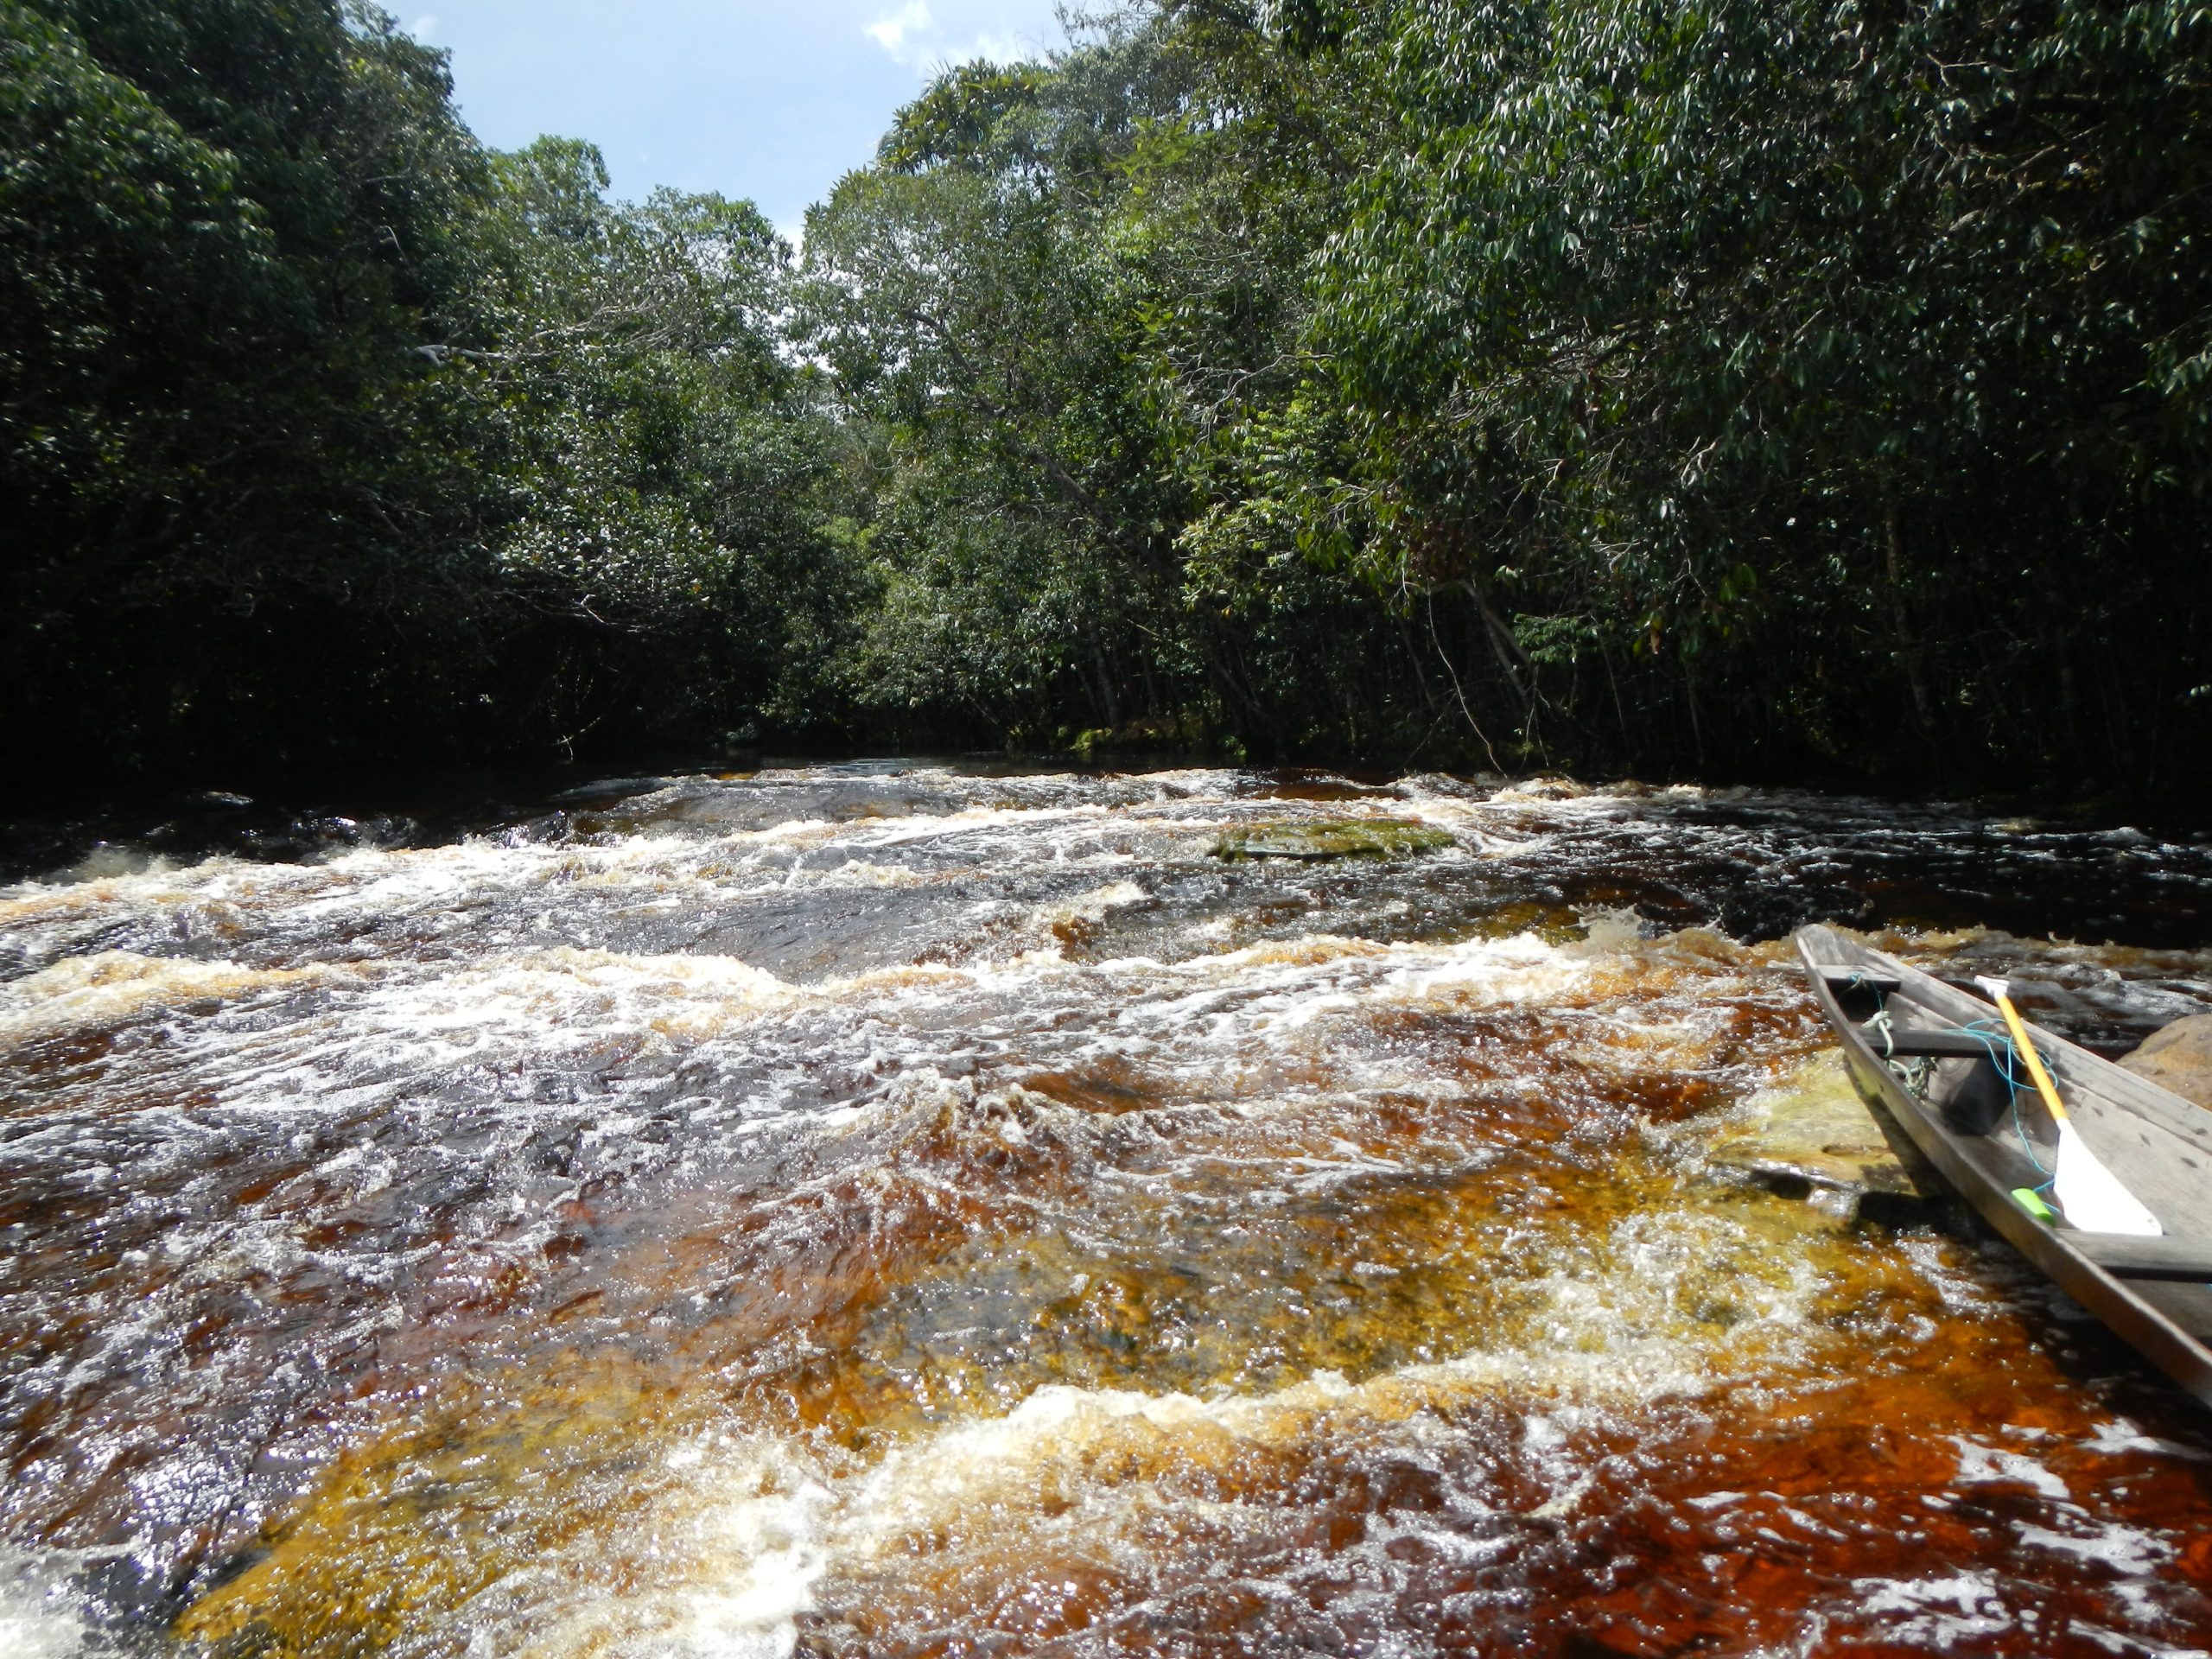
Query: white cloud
[892,31]
[913,36]
[994,48]
[425,25]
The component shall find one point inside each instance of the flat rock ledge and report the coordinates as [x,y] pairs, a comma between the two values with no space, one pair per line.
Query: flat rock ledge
[1812,1132]
[1333,838]
[2179,1058]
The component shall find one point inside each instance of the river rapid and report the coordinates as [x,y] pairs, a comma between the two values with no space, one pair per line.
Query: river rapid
[903,1210]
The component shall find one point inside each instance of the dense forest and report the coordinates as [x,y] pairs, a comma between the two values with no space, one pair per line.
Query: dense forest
[1762,389]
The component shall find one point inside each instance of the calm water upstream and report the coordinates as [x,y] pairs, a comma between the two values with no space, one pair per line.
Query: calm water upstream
[905,1210]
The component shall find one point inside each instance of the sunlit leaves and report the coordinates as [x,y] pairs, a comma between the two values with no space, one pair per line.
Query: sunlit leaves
[317,420]
[1639,300]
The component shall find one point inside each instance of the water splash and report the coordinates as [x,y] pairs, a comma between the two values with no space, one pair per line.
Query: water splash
[879,1209]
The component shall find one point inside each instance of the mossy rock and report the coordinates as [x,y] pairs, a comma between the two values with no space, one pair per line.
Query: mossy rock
[1812,1130]
[1333,838]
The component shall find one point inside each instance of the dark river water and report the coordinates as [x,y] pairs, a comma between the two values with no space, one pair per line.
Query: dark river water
[908,1210]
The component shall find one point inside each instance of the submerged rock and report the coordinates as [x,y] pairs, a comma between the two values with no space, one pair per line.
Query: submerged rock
[2179,1058]
[1333,838]
[1814,1131]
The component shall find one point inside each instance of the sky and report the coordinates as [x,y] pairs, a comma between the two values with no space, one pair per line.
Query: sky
[757,98]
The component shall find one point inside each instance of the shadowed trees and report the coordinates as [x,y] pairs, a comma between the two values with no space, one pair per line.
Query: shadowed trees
[1779,388]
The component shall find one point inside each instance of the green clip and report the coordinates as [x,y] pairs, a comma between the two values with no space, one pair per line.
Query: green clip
[2032,1201]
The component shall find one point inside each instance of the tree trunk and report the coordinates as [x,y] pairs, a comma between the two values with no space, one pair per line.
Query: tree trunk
[1908,643]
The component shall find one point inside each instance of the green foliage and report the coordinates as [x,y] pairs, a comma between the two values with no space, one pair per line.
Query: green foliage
[1054,303]
[977,110]
[326,431]
[1783,384]
[1889,309]
[1777,386]
[968,311]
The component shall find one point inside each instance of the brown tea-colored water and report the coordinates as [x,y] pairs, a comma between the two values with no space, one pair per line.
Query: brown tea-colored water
[900,1210]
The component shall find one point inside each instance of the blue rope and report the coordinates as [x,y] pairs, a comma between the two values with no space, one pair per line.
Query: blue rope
[1999,1044]
[1991,1039]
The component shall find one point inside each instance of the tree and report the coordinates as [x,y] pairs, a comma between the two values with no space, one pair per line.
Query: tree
[1776,335]
[327,433]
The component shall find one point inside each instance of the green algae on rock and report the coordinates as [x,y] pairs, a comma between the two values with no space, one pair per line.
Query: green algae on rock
[1333,838]
[1812,1128]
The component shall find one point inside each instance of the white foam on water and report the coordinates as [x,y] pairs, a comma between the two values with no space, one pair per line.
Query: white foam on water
[2118,1436]
[214,899]
[1662,1309]
[1938,1612]
[1093,906]
[382,884]
[38,1615]
[1981,1465]
[114,987]
[1083,1464]
[1294,984]
[367,1038]
[2128,1551]
[856,873]
[158,882]
[731,1574]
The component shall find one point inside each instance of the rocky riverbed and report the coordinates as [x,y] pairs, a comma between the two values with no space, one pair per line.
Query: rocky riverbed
[903,1209]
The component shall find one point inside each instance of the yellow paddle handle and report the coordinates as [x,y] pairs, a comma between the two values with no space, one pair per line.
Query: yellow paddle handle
[2026,1045]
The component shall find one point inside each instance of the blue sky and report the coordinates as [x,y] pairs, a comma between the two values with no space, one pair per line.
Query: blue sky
[753,98]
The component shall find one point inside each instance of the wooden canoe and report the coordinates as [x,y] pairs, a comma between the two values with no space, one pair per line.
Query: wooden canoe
[1933,1061]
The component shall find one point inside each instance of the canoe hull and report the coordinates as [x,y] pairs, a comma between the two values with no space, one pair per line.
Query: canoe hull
[1969,1167]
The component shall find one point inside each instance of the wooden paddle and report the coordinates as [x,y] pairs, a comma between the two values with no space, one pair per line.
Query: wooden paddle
[2090,1195]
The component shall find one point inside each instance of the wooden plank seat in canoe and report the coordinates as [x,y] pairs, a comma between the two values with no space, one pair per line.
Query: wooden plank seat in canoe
[1895,1045]
[2184,1260]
